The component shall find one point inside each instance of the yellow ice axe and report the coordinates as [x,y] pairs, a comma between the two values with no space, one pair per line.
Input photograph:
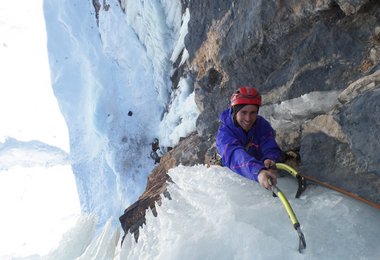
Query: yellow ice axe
[301,180]
[286,204]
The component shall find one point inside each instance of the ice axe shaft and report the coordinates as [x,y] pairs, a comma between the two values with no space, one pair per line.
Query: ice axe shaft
[292,216]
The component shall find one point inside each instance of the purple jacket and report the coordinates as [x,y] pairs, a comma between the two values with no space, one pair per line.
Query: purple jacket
[244,153]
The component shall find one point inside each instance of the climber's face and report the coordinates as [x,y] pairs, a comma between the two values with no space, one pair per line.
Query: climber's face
[246,117]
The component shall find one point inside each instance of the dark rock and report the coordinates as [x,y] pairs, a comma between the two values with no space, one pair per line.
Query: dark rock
[341,149]
[134,216]
[361,122]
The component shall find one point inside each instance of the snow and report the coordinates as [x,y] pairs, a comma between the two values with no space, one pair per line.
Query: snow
[38,196]
[30,154]
[38,205]
[292,112]
[156,24]
[79,115]
[180,46]
[181,118]
[24,75]
[217,214]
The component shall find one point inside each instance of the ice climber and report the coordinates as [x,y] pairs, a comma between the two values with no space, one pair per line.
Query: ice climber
[246,141]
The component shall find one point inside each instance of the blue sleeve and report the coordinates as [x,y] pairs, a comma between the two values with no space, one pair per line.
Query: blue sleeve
[234,156]
[269,146]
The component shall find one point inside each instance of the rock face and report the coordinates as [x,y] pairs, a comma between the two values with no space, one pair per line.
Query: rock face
[346,141]
[287,49]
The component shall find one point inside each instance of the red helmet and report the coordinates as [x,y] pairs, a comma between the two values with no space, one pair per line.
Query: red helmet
[246,96]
